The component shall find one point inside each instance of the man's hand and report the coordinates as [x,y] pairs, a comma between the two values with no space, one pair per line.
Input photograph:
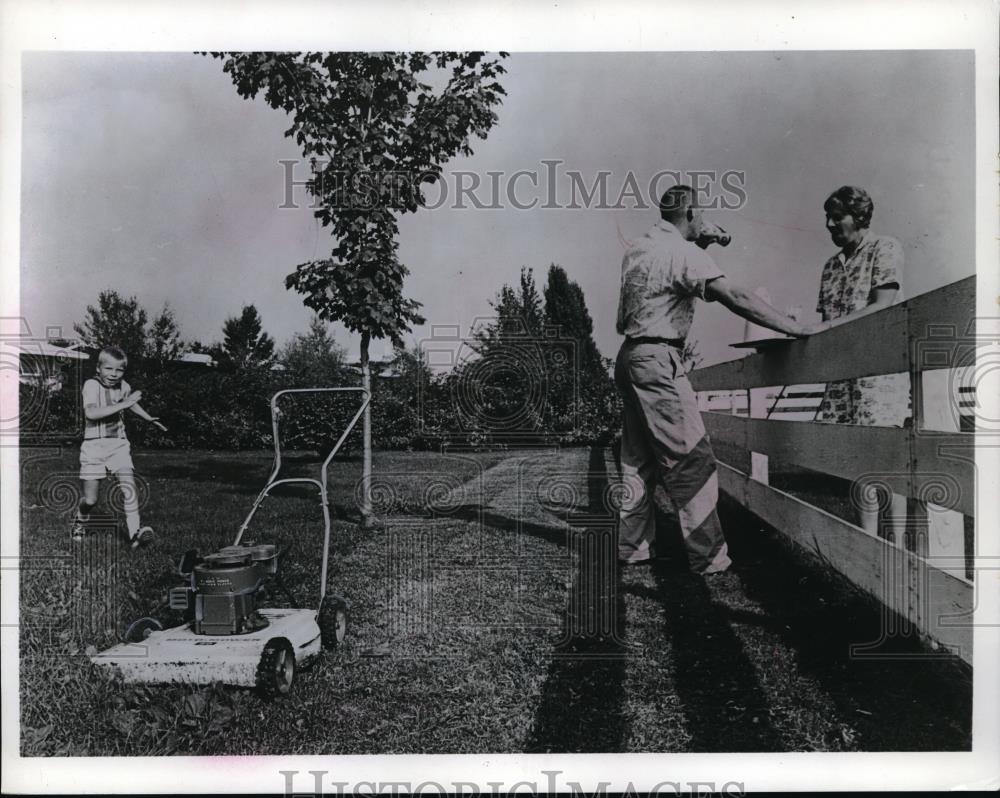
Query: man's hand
[156,423]
[812,329]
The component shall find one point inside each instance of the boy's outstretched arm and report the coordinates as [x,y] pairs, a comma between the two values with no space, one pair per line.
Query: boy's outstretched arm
[96,413]
[135,408]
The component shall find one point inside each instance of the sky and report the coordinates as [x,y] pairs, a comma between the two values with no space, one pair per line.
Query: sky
[148,174]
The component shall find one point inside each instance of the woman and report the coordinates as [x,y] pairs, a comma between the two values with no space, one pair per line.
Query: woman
[862,278]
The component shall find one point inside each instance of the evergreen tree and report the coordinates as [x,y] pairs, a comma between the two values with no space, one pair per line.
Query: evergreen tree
[583,399]
[115,322]
[566,310]
[164,337]
[245,344]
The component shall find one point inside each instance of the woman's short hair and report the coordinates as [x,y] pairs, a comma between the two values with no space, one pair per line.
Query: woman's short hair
[854,201]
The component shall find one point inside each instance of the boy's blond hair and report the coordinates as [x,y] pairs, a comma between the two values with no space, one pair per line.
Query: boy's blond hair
[114,353]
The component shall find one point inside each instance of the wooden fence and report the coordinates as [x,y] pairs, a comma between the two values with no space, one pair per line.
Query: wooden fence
[923,574]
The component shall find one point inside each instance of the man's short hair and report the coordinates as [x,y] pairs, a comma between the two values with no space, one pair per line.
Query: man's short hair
[113,352]
[675,202]
[852,200]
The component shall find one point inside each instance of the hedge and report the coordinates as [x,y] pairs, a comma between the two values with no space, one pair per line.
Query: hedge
[230,410]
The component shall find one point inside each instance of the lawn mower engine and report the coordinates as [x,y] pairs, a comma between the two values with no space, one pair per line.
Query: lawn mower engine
[225,588]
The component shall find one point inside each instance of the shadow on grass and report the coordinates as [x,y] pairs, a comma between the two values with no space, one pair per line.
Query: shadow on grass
[247,476]
[901,700]
[712,674]
[581,708]
[246,472]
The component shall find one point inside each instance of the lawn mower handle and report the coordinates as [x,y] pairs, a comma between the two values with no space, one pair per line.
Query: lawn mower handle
[276,413]
[320,483]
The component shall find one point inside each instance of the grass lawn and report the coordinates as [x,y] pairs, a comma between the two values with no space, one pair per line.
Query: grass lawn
[485,618]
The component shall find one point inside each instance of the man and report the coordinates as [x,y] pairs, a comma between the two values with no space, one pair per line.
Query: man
[662,432]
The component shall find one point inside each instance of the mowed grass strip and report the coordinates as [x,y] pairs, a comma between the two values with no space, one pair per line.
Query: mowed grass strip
[453,618]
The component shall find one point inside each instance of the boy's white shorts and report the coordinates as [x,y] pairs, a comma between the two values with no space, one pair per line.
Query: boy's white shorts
[100,456]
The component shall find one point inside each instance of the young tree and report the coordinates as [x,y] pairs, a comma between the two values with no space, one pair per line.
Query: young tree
[115,321]
[245,343]
[374,132]
[164,337]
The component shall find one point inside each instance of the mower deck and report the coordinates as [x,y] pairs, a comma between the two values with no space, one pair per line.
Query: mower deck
[180,655]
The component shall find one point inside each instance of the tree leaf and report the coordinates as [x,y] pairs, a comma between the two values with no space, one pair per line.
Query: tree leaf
[195,704]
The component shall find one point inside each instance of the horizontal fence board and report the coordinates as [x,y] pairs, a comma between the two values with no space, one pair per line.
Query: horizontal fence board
[877,344]
[940,471]
[945,312]
[839,449]
[944,470]
[942,605]
[836,354]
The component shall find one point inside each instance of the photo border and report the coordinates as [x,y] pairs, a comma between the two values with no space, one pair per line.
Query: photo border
[513,26]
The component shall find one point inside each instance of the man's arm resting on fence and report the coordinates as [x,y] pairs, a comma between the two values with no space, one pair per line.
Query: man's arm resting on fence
[753,308]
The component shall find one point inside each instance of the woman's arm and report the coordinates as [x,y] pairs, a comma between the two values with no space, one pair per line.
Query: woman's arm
[879,299]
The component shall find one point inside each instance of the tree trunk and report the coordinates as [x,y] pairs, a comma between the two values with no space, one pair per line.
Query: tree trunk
[367,521]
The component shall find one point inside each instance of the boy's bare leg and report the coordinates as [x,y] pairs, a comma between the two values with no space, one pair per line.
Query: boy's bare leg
[138,535]
[130,501]
[91,489]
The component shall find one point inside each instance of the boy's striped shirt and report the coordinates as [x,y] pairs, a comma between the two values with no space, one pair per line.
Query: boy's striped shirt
[97,395]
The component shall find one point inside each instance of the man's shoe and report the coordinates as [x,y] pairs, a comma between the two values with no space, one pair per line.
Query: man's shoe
[720,566]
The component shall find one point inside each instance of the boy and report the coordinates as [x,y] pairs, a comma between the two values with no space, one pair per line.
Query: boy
[105,448]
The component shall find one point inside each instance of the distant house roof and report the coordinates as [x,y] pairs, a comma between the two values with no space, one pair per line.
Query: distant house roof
[379,368]
[39,348]
[196,357]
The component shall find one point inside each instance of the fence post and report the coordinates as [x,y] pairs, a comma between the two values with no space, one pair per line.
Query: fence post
[759,399]
[943,530]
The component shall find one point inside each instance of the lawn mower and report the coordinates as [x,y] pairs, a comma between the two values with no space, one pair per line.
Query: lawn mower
[228,635]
